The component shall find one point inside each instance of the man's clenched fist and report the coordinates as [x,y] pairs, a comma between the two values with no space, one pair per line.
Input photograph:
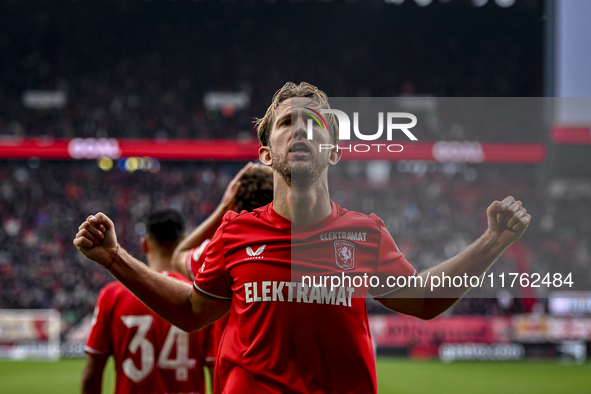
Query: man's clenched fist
[96,239]
[507,220]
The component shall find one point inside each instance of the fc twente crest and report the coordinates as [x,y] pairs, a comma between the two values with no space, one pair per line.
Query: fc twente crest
[344,254]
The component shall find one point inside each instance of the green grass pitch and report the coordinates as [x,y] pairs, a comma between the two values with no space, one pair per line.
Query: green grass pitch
[395,375]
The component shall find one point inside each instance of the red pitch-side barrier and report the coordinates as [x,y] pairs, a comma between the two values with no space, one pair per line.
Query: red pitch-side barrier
[399,331]
[93,148]
[571,134]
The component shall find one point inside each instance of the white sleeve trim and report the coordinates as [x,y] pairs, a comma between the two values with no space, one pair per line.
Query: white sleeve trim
[209,294]
[415,273]
[90,350]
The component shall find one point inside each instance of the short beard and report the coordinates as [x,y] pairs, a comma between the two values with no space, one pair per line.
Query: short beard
[302,177]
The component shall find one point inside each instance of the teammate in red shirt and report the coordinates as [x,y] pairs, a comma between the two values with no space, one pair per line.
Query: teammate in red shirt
[151,356]
[284,337]
[251,188]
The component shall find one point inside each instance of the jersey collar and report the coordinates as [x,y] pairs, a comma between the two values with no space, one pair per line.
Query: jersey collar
[294,228]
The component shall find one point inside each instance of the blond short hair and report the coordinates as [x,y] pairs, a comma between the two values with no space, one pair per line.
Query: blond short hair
[289,90]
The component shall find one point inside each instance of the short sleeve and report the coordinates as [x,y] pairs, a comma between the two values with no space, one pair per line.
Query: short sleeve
[196,258]
[391,262]
[211,279]
[99,339]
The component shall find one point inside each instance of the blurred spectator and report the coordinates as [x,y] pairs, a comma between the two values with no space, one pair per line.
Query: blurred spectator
[140,69]
[431,216]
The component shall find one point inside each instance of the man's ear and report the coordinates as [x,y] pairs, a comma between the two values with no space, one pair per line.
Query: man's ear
[145,246]
[265,155]
[335,156]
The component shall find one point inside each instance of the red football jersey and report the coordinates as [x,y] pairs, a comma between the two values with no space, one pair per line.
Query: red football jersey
[151,355]
[284,336]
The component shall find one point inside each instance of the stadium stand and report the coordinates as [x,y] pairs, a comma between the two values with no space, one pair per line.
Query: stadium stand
[154,88]
[430,216]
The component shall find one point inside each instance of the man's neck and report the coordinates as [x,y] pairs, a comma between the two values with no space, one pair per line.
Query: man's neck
[303,206]
[159,262]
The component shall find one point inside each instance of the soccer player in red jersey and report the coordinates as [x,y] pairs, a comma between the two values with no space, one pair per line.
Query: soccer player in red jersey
[251,188]
[151,356]
[283,335]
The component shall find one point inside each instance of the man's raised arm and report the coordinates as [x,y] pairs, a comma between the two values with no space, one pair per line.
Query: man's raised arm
[507,221]
[172,299]
[207,229]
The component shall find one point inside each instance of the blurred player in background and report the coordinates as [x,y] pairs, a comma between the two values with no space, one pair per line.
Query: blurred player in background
[281,336]
[251,188]
[151,356]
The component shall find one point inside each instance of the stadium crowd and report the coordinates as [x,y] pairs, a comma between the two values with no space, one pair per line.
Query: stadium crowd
[39,268]
[431,216]
[149,85]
